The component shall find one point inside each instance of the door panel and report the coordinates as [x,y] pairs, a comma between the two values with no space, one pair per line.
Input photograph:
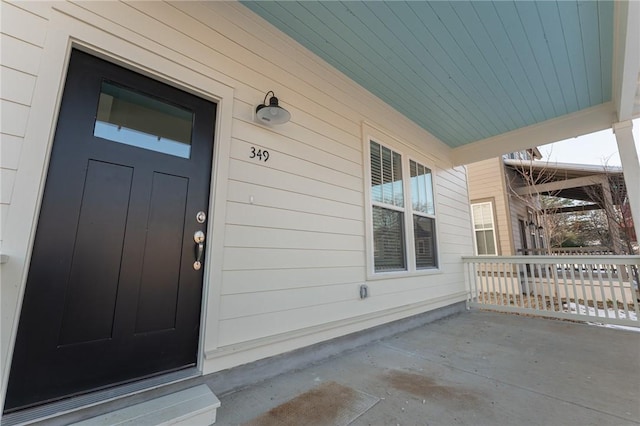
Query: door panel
[111,293]
[159,287]
[91,291]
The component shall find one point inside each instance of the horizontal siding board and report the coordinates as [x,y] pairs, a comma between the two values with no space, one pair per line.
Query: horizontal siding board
[305,130]
[10,147]
[249,281]
[4,211]
[241,151]
[37,7]
[324,153]
[7,177]
[269,258]
[258,195]
[14,118]
[19,55]
[273,323]
[23,25]
[251,215]
[446,219]
[250,304]
[246,236]
[17,86]
[265,176]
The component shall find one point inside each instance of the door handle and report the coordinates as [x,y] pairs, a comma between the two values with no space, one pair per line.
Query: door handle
[198,237]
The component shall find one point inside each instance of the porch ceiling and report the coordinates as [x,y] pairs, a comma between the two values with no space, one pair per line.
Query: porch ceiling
[470,71]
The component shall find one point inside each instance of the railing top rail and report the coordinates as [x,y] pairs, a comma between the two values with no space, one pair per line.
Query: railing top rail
[589,259]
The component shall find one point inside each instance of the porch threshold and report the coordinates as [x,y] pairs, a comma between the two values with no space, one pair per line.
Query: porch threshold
[92,403]
[197,405]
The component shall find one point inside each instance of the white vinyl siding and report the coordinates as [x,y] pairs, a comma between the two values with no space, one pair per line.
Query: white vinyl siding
[484,228]
[293,246]
[22,38]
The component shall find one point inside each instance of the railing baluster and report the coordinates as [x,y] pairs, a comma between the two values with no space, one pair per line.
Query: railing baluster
[478,279]
[522,285]
[575,291]
[553,270]
[587,282]
[484,284]
[514,293]
[540,280]
[566,289]
[602,293]
[596,311]
[504,297]
[623,291]
[493,285]
[609,278]
[532,272]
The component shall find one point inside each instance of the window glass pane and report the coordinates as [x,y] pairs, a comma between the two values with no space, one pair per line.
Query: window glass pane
[139,120]
[386,176]
[476,210]
[481,244]
[398,193]
[425,241]
[376,172]
[421,188]
[482,216]
[415,193]
[388,240]
[485,243]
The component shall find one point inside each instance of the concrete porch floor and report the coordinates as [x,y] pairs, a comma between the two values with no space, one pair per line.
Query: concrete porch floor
[475,368]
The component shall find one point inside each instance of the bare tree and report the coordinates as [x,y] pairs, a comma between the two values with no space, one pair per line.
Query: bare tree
[524,178]
[611,197]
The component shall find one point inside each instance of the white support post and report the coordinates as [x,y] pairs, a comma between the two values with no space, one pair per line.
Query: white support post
[630,157]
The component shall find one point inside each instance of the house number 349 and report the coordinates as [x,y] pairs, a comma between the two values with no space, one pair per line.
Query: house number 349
[259,154]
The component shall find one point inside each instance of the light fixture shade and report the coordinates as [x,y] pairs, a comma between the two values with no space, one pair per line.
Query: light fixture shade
[272,113]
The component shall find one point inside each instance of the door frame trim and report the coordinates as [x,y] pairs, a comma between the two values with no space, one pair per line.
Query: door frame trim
[132,51]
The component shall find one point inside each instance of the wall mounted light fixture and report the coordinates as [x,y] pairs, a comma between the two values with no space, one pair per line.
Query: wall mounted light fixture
[272,113]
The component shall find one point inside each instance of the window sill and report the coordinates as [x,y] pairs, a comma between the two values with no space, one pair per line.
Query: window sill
[403,274]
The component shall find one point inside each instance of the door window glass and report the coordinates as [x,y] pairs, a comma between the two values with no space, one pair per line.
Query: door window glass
[139,120]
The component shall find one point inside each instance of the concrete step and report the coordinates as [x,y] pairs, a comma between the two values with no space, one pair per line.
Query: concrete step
[193,406]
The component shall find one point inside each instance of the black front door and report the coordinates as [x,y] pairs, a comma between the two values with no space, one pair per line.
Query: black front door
[113,294]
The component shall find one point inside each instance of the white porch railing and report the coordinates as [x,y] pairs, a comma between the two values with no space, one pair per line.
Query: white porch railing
[601,289]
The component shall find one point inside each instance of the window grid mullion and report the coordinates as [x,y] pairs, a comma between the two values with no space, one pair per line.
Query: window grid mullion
[388,206]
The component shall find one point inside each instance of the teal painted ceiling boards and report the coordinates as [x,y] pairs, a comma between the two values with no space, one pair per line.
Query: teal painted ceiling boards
[463,70]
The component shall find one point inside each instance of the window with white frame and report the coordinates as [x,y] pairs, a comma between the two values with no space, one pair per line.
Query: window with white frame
[402,203]
[484,228]
[424,219]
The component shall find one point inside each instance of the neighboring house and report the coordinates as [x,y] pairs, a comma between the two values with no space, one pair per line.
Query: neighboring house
[156,230]
[504,194]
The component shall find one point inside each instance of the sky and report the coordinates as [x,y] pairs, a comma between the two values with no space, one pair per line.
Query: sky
[598,148]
